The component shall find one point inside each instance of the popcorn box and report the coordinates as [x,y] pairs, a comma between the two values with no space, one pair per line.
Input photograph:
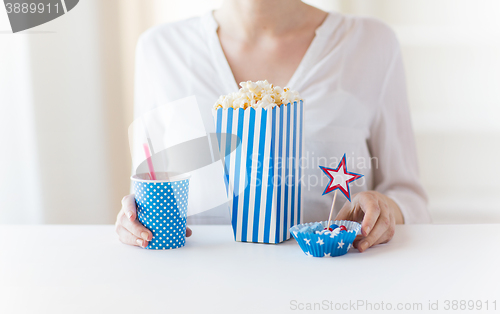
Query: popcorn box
[263,173]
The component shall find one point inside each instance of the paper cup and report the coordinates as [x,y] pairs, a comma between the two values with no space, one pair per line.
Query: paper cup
[162,208]
[263,173]
[322,245]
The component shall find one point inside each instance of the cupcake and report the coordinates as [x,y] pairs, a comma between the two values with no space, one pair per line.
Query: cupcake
[319,240]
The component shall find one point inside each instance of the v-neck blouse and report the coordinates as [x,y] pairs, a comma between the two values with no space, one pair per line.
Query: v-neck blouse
[353,85]
[224,69]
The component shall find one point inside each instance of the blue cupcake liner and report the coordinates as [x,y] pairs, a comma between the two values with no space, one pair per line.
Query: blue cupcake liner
[321,245]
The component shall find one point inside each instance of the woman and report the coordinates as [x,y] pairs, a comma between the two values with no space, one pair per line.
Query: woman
[347,69]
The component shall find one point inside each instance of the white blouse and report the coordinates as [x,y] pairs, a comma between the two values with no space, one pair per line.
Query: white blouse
[353,85]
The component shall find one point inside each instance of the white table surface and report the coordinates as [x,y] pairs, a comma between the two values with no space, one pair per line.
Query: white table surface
[85,269]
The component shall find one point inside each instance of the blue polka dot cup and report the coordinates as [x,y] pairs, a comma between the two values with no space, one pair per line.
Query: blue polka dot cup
[162,208]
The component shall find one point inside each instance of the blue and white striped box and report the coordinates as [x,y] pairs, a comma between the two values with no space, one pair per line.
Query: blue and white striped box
[263,204]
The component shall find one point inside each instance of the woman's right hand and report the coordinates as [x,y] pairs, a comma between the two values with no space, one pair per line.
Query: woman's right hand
[129,229]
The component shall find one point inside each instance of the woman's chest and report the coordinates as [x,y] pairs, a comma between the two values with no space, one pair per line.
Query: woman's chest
[335,92]
[275,60]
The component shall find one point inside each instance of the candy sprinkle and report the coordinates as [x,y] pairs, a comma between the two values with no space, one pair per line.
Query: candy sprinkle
[334,226]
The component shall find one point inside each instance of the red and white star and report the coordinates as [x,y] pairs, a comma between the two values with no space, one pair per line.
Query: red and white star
[340,178]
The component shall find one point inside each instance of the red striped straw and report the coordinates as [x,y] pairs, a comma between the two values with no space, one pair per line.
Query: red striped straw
[150,162]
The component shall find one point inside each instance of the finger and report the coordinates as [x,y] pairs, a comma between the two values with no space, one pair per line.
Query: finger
[189,232]
[358,238]
[136,228]
[129,207]
[382,225]
[346,212]
[350,212]
[356,243]
[370,206]
[389,234]
[128,238]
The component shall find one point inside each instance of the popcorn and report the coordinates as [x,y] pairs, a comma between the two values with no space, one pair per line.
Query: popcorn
[289,96]
[258,94]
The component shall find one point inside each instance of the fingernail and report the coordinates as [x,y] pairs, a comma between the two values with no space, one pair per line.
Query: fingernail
[367,230]
[139,241]
[145,235]
[129,214]
[363,245]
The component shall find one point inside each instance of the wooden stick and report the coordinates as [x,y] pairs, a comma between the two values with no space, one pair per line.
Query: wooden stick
[331,210]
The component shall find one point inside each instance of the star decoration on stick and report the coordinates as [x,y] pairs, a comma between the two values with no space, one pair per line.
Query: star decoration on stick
[340,178]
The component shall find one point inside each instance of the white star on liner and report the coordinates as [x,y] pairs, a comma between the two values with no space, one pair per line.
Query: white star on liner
[307,241]
[308,254]
[341,244]
[327,254]
[320,241]
[349,246]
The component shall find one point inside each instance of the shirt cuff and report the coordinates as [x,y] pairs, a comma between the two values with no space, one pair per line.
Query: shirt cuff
[412,206]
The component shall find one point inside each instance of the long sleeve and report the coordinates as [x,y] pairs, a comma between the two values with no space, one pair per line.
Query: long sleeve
[392,145]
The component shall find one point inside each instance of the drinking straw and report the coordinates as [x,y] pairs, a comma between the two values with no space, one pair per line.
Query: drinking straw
[150,161]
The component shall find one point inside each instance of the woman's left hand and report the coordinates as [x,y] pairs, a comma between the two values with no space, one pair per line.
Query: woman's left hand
[378,215]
